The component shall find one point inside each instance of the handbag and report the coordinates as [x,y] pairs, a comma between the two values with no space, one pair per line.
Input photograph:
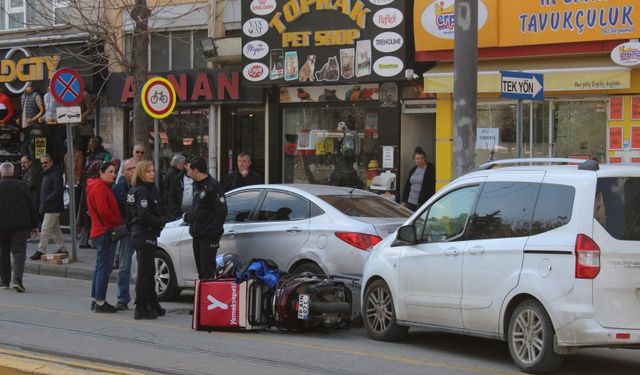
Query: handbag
[114,233]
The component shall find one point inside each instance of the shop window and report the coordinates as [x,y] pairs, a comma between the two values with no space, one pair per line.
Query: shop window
[331,146]
[580,128]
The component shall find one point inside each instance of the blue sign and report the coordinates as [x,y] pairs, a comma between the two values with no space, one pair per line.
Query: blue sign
[521,85]
[67,87]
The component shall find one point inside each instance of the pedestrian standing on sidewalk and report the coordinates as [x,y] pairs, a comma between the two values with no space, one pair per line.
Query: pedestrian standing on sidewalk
[32,177]
[143,206]
[92,170]
[173,188]
[105,214]
[137,153]
[421,182]
[206,219]
[124,248]
[243,176]
[17,219]
[51,206]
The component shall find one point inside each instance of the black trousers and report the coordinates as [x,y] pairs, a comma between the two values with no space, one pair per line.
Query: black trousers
[145,284]
[205,249]
[15,243]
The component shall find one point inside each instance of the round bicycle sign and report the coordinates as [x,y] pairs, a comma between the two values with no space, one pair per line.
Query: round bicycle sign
[158,97]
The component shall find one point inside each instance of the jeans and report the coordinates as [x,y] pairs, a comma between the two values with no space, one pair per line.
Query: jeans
[51,227]
[204,253]
[125,254]
[104,263]
[145,283]
[13,243]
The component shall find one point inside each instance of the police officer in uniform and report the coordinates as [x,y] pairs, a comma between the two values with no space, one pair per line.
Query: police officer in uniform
[206,219]
[146,224]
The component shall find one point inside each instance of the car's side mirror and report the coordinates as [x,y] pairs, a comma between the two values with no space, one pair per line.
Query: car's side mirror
[407,234]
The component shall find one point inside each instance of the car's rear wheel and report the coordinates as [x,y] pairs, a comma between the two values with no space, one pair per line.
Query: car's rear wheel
[165,277]
[380,315]
[530,337]
[307,267]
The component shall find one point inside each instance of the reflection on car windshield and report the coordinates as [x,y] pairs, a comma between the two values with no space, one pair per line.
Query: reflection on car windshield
[366,206]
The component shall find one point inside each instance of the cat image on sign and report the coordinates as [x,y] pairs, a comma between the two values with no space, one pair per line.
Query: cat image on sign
[330,71]
[306,72]
[329,95]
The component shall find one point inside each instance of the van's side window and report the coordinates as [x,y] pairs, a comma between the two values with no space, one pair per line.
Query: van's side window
[447,217]
[504,209]
[554,208]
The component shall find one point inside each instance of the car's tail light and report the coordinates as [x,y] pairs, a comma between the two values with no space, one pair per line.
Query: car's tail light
[362,241]
[587,257]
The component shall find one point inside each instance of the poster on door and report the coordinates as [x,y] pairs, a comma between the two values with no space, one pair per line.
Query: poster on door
[616,108]
[635,137]
[635,108]
[615,138]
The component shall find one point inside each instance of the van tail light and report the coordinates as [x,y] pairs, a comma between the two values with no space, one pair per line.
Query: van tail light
[362,241]
[587,257]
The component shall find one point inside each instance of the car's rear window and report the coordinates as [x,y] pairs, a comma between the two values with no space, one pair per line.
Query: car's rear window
[366,206]
[617,207]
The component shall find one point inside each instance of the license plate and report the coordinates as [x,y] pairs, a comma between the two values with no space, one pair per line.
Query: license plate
[303,307]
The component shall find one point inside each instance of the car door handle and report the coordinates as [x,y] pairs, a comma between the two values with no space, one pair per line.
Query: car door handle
[294,230]
[452,251]
[477,250]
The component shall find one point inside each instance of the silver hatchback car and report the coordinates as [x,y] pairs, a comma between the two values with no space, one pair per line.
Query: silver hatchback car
[316,228]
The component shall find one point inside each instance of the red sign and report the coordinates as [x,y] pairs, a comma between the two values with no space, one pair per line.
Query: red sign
[67,87]
[615,159]
[635,107]
[615,138]
[635,160]
[616,108]
[635,137]
[219,304]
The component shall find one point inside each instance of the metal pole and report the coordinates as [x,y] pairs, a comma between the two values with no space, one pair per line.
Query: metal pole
[519,129]
[465,86]
[156,150]
[72,192]
[531,130]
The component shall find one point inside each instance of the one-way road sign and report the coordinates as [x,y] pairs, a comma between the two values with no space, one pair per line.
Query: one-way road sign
[521,85]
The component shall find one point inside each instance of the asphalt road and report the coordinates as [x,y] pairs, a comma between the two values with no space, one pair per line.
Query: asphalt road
[53,318]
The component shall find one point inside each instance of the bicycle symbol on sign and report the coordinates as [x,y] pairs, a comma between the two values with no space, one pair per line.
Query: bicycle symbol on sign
[159,96]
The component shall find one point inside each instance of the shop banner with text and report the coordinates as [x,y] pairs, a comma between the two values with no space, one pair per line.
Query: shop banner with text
[531,22]
[322,41]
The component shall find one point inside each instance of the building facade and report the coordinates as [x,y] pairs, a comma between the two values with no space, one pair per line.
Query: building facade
[590,107]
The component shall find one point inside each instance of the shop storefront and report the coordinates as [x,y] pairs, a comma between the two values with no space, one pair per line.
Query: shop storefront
[570,44]
[333,72]
[32,63]
[187,130]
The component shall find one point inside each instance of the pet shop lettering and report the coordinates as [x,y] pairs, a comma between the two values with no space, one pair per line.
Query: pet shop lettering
[320,38]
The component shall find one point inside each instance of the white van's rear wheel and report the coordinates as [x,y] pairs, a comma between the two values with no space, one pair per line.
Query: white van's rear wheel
[530,338]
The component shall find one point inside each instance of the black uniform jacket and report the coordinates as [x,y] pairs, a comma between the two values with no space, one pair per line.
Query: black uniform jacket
[209,209]
[143,208]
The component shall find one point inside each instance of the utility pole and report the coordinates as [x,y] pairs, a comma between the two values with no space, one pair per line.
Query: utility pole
[465,86]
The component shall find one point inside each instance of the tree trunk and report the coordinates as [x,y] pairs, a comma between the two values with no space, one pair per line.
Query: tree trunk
[141,121]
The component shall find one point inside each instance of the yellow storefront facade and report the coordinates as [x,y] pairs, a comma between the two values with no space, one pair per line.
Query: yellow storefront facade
[592,104]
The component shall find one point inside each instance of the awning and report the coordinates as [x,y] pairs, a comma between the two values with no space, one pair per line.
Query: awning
[569,74]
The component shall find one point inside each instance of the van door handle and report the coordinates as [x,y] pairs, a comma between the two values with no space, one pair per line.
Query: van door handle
[476,250]
[231,233]
[294,230]
[452,251]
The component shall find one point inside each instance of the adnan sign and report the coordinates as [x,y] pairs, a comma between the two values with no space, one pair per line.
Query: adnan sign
[322,40]
[192,88]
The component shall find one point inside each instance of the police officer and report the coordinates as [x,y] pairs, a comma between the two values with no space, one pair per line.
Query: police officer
[146,225]
[206,219]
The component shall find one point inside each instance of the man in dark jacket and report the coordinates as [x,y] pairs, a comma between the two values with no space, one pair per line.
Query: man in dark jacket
[173,188]
[17,219]
[32,177]
[242,176]
[206,219]
[124,248]
[51,206]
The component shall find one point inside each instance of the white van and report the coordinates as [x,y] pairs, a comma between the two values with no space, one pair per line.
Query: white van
[546,257]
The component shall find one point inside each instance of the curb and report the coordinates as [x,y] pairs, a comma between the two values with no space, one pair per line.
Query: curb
[64,271]
[21,362]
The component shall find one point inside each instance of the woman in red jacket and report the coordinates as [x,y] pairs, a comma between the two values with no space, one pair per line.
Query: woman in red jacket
[105,214]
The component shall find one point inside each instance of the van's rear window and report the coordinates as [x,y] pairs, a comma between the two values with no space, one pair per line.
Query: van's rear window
[617,207]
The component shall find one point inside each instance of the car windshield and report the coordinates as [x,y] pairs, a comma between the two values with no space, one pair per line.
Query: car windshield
[366,206]
[616,207]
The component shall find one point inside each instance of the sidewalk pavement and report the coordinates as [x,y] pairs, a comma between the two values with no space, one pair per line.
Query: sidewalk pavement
[81,268]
